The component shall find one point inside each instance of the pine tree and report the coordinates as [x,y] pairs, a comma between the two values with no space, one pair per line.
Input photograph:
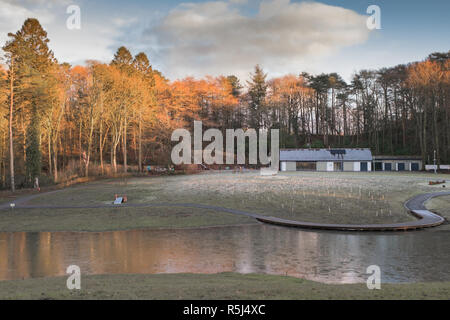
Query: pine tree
[257,94]
[30,61]
[145,90]
[123,60]
[235,84]
[142,65]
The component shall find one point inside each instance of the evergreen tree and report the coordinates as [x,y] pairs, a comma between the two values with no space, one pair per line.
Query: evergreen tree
[142,65]
[257,94]
[123,60]
[32,61]
[235,84]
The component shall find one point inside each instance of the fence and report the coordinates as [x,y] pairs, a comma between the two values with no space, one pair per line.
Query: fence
[430,167]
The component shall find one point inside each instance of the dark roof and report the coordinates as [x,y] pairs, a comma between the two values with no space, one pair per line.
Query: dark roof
[326,155]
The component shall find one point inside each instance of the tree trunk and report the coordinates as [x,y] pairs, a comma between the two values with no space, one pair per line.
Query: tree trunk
[140,142]
[125,165]
[114,161]
[436,131]
[55,165]
[424,131]
[11,144]
[91,132]
[101,147]
[50,169]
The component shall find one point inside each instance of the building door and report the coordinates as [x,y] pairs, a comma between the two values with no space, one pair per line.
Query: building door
[364,166]
[378,166]
[388,167]
[414,167]
[401,166]
[338,166]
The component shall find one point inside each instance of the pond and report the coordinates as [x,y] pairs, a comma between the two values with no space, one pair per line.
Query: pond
[329,257]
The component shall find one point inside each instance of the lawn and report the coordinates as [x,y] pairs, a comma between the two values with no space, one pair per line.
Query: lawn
[227,286]
[441,205]
[305,196]
[109,219]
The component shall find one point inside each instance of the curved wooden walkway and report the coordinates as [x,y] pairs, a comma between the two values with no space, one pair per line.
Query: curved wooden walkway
[416,206]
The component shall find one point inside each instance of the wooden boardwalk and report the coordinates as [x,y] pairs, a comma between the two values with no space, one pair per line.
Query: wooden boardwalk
[416,206]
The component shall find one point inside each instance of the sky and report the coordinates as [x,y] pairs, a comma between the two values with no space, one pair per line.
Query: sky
[198,38]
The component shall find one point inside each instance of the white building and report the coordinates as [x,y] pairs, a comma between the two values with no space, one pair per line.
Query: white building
[397,163]
[326,160]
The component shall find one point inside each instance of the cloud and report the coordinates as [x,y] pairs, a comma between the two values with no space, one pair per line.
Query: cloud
[212,37]
[95,40]
[121,22]
[216,38]
[239,1]
[13,14]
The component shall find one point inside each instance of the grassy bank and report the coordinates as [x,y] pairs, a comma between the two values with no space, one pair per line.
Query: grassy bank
[6,196]
[214,286]
[441,205]
[109,219]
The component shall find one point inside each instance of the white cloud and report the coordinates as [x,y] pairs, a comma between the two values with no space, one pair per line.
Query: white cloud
[121,22]
[95,40]
[212,37]
[239,1]
[13,14]
[216,38]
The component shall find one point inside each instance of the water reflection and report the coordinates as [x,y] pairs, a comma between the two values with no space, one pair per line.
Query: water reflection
[321,256]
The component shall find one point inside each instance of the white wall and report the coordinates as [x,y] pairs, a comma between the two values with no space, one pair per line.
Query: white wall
[321,166]
[349,166]
[356,166]
[291,166]
[432,166]
[330,166]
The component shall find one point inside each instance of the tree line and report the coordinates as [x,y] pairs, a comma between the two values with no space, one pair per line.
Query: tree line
[59,121]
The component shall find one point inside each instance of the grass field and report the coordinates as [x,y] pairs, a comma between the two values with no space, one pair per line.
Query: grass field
[214,286]
[306,196]
[109,219]
[441,205]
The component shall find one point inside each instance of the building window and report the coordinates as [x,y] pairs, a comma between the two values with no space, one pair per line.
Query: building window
[306,166]
[364,166]
[338,166]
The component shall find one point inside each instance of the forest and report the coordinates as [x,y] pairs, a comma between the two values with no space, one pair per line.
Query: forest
[60,121]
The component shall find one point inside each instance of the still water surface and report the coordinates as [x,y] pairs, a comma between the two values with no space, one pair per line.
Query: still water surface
[322,256]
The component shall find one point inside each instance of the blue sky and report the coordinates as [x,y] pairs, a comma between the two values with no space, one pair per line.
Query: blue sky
[230,37]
